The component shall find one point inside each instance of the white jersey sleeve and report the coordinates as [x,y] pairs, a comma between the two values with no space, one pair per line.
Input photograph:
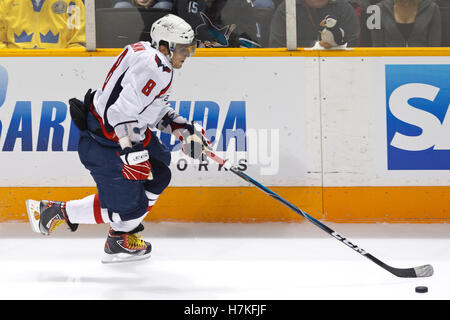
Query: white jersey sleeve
[136,89]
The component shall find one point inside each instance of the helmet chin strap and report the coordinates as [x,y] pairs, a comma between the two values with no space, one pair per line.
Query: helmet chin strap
[170,55]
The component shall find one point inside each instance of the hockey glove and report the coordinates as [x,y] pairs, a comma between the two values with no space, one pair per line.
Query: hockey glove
[194,141]
[79,110]
[135,163]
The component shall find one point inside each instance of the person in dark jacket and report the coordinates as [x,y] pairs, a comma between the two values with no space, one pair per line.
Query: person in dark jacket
[309,15]
[408,23]
[221,23]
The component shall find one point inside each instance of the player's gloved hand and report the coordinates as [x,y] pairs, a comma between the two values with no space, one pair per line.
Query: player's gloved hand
[194,141]
[135,163]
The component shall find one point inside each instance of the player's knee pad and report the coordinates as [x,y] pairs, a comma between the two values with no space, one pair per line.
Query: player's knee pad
[136,213]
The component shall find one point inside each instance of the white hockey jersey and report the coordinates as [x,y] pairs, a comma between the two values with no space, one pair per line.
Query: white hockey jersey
[136,89]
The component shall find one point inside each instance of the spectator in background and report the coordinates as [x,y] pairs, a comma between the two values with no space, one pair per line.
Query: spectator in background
[408,23]
[221,23]
[195,13]
[145,4]
[368,21]
[42,24]
[309,15]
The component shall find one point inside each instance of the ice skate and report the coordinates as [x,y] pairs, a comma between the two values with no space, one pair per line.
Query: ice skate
[126,246]
[46,216]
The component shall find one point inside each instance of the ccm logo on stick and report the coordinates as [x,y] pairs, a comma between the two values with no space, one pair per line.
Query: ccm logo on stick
[348,243]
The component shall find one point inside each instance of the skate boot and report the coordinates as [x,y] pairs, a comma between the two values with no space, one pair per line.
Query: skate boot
[45,216]
[126,246]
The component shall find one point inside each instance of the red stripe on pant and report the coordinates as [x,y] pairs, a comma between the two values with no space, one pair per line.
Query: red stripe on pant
[97,210]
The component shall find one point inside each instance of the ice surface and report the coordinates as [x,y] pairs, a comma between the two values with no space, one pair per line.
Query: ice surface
[226,261]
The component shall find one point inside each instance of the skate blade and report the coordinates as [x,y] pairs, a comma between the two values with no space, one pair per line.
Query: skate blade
[33,210]
[120,258]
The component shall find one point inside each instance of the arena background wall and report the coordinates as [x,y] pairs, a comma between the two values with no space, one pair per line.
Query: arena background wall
[359,135]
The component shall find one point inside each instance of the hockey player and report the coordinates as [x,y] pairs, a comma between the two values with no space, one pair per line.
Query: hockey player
[129,164]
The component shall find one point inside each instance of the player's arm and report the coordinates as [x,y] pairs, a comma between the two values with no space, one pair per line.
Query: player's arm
[140,88]
[123,115]
[192,135]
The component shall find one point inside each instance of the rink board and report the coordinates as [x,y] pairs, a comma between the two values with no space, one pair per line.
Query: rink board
[249,205]
[339,134]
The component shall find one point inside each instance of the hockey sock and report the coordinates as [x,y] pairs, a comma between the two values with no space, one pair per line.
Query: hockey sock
[88,211]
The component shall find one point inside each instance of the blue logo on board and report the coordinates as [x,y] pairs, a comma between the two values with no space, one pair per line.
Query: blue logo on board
[16,131]
[418,117]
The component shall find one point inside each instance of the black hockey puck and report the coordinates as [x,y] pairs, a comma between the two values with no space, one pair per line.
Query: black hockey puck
[421,289]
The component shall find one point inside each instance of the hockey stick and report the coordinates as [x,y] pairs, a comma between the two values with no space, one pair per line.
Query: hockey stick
[417,272]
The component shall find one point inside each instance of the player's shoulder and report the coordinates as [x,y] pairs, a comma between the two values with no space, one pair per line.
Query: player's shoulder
[153,59]
[160,63]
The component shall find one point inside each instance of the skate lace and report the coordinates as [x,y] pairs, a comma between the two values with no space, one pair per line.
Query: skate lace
[135,242]
[55,224]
